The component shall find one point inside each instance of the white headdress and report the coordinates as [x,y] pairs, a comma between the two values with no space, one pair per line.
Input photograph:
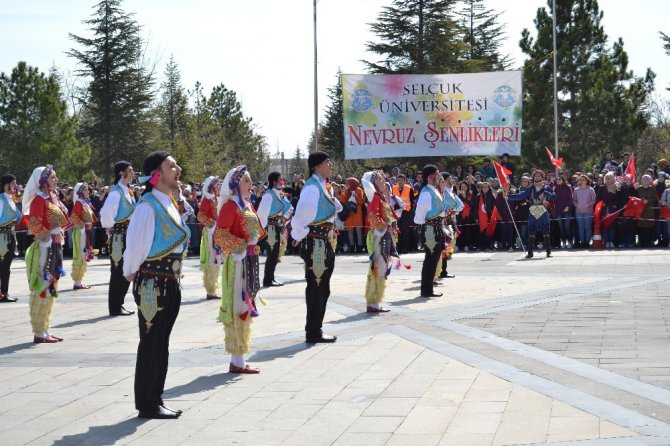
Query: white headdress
[368,183]
[209,183]
[230,187]
[76,190]
[31,189]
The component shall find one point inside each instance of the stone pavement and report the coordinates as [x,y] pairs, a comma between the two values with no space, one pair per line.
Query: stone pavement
[571,350]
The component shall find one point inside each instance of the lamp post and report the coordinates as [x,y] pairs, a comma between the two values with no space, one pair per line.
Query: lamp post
[555,84]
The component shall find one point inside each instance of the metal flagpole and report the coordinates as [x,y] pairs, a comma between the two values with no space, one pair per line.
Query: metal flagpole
[316,90]
[555,85]
[514,223]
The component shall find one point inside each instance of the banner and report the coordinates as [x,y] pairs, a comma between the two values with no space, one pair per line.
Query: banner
[404,115]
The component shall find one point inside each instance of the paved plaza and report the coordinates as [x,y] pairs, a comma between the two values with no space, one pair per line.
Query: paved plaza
[571,350]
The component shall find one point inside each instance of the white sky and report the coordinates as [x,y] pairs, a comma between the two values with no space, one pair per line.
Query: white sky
[263,49]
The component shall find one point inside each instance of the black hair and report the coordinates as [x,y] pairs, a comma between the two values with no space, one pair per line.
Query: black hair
[119,168]
[5,180]
[273,178]
[152,162]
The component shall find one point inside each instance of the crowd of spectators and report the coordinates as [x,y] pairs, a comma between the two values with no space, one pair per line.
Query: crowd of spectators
[572,211]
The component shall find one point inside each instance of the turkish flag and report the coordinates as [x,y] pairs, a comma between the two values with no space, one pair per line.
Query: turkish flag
[495,218]
[483,216]
[630,168]
[634,207]
[557,162]
[502,173]
[607,221]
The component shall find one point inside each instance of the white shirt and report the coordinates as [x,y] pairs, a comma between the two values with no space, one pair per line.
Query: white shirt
[424,204]
[265,207]
[111,205]
[141,232]
[307,208]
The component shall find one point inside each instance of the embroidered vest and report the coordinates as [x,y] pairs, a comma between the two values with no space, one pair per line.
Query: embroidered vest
[326,206]
[168,234]
[125,209]
[437,204]
[9,216]
[280,205]
[451,201]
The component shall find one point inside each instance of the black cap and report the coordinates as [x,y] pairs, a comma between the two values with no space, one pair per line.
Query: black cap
[316,158]
[428,170]
[153,161]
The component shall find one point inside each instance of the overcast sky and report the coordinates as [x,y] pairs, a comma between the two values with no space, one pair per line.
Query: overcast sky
[263,49]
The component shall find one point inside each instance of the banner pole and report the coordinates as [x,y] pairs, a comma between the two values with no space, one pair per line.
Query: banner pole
[514,223]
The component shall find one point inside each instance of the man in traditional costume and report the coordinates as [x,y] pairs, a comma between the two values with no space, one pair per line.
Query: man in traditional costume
[115,216]
[157,241]
[429,213]
[273,211]
[47,219]
[453,205]
[539,195]
[237,234]
[209,253]
[312,229]
[82,218]
[380,240]
[10,218]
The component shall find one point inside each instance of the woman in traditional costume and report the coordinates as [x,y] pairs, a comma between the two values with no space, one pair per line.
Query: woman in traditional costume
[47,219]
[209,255]
[82,218]
[237,233]
[380,243]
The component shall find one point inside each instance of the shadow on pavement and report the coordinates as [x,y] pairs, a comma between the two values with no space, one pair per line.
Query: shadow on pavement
[15,348]
[81,322]
[102,435]
[200,384]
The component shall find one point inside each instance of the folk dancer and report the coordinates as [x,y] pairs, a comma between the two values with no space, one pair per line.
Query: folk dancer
[82,218]
[157,241]
[539,195]
[115,216]
[380,240]
[273,211]
[210,256]
[10,218]
[47,220]
[237,233]
[312,230]
[429,213]
[453,206]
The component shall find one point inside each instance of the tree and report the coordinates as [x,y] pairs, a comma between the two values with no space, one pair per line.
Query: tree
[332,129]
[119,95]
[484,36]
[173,108]
[666,44]
[35,128]
[601,103]
[242,143]
[298,163]
[420,37]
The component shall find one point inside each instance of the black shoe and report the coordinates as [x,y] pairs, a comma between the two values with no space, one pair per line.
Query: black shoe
[433,295]
[273,283]
[323,339]
[178,412]
[122,312]
[160,413]
[443,275]
[447,276]
[7,299]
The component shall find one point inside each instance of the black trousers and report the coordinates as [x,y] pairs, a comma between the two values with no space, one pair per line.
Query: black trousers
[430,261]
[118,285]
[271,261]
[316,294]
[405,236]
[6,264]
[152,351]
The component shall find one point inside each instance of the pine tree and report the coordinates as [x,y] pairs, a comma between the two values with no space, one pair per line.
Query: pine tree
[173,106]
[601,103]
[298,163]
[484,36]
[666,44]
[35,128]
[332,129]
[119,93]
[420,37]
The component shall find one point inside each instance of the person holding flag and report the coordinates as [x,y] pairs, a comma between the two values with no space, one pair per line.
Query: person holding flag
[429,213]
[538,219]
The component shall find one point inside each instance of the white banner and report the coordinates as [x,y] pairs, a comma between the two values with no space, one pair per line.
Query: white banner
[404,115]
